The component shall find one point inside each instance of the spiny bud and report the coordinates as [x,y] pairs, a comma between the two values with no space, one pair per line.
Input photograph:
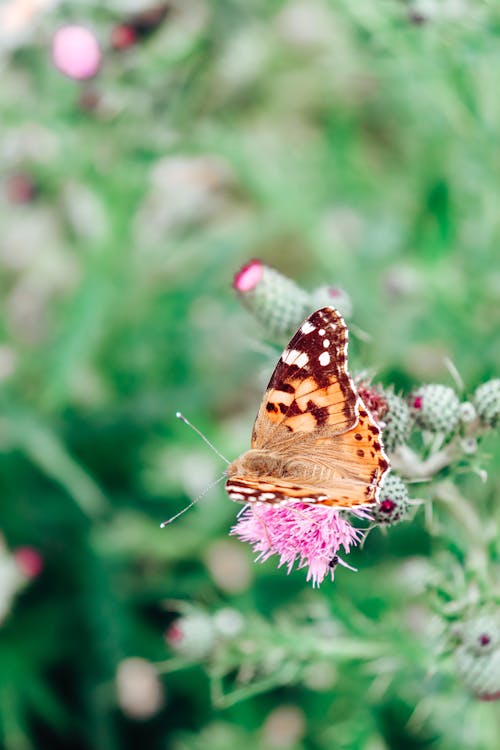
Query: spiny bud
[373,398]
[275,300]
[477,657]
[398,421]
[192,635]
[468,445]
[436,408]
[334,296]
[487,402]
[393,502]
[468,413]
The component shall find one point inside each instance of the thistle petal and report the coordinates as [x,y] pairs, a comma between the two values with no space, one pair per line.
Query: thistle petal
[306,535]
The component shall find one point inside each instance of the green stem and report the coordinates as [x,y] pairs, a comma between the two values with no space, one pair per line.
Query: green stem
[409,465]
[465,515]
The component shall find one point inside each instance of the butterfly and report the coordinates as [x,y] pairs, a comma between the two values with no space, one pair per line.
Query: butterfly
[313,441]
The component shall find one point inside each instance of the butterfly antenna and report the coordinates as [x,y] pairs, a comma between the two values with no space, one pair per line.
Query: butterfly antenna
[203,437]
[193,502]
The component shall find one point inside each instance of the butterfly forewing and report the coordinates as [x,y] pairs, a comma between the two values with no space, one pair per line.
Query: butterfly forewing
[310,386]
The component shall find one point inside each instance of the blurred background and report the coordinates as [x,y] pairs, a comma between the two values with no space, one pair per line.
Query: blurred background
[142,161]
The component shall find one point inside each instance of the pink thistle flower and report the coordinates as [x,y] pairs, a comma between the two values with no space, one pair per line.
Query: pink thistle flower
[387,506]
[299,533]
[373,398]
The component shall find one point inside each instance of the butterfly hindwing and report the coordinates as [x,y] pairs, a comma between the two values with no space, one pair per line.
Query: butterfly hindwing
[345,471]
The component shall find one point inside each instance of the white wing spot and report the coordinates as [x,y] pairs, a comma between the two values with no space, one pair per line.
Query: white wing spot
[321,331]
[302,360]
[324,359]
[267,496]
[326,343]
[308,327]
[236,496]
[289,356]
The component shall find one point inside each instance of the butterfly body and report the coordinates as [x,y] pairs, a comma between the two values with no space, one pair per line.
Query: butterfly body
[313,440]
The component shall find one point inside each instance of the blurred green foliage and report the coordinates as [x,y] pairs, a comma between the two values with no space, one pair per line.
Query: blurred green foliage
[346,143]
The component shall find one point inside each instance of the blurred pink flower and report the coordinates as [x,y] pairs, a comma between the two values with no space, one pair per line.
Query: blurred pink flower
[76,52]
[29,561]
[309,535]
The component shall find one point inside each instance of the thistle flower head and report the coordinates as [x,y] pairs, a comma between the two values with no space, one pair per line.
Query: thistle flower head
[398,420]
[275,300]
[334,296]
[373,398]
[248,276]
[487,402]
[192,635]
[435,408]
[477,656]
[393,502]
[309,535]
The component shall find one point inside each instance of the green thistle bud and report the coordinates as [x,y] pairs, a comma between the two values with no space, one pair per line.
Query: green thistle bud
[333,296]
[468,413]
[469,445]
[275,300]
[398,421]
[393,503]
[228,622]
[436,408]
[487,402]
[192,636]
[477,657]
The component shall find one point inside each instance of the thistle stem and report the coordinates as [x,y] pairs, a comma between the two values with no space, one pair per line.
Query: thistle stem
[409,465]
[465,515]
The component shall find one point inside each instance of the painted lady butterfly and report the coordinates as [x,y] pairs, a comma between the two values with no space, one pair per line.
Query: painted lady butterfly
[313,440]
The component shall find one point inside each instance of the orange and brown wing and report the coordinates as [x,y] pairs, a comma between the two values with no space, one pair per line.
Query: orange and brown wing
[357,461]
[310,387]
[341,471]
